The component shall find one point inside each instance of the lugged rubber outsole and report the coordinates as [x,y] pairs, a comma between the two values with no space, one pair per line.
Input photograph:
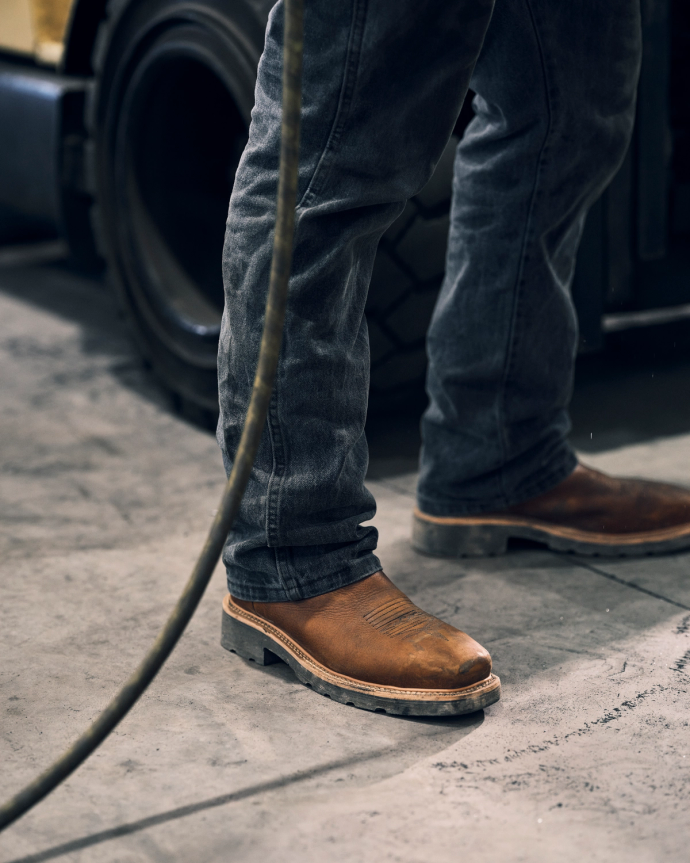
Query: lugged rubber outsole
[477,536]
[256,639]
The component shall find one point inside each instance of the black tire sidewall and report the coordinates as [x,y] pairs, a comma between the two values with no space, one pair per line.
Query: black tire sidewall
[123,43]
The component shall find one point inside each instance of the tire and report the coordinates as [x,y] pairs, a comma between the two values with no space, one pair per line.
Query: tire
[167,119]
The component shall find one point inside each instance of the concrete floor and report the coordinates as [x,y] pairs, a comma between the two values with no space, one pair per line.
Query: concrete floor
[105,496]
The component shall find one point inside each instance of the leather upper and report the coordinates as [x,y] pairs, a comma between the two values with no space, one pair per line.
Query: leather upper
[592,501]
[371,631]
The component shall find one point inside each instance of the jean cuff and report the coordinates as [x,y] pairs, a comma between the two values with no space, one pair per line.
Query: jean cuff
[538,482]
[306,584]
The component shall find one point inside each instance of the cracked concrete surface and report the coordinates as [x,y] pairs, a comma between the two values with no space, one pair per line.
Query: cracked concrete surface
[105,496]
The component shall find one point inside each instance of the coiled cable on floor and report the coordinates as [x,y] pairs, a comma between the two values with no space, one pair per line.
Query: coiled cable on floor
[254,425]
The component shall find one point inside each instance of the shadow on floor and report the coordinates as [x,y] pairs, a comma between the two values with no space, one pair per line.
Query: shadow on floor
[464,725]
[40,274]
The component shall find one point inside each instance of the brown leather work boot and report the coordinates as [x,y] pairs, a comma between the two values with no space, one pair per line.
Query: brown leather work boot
[588,513]
[367,645]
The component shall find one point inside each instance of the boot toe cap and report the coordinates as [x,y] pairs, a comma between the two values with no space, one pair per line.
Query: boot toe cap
[475,668]
[464,665]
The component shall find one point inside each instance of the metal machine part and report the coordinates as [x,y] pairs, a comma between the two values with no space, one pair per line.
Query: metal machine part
[34,142]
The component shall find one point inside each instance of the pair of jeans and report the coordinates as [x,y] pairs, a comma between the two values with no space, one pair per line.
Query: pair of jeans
[383,86]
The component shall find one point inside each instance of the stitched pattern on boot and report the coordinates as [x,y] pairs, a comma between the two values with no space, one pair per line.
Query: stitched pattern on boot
[399,618]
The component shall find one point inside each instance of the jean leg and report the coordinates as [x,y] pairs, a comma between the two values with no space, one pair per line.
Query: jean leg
[555,86]
[383,86]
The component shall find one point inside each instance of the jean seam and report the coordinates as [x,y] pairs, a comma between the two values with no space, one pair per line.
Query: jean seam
[286,573]
[273,495]
[524,257]
[278,446]
[325,163]
[277,471]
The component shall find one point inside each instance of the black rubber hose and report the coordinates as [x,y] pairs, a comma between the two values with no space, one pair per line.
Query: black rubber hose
[254,425]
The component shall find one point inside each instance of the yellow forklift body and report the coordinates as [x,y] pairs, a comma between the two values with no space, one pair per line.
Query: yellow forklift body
[35,27]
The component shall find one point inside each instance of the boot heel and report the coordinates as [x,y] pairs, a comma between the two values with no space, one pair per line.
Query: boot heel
[246,641]
[458,540]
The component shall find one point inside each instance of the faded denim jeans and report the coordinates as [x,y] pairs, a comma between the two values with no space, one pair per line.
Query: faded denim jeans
[383,87]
